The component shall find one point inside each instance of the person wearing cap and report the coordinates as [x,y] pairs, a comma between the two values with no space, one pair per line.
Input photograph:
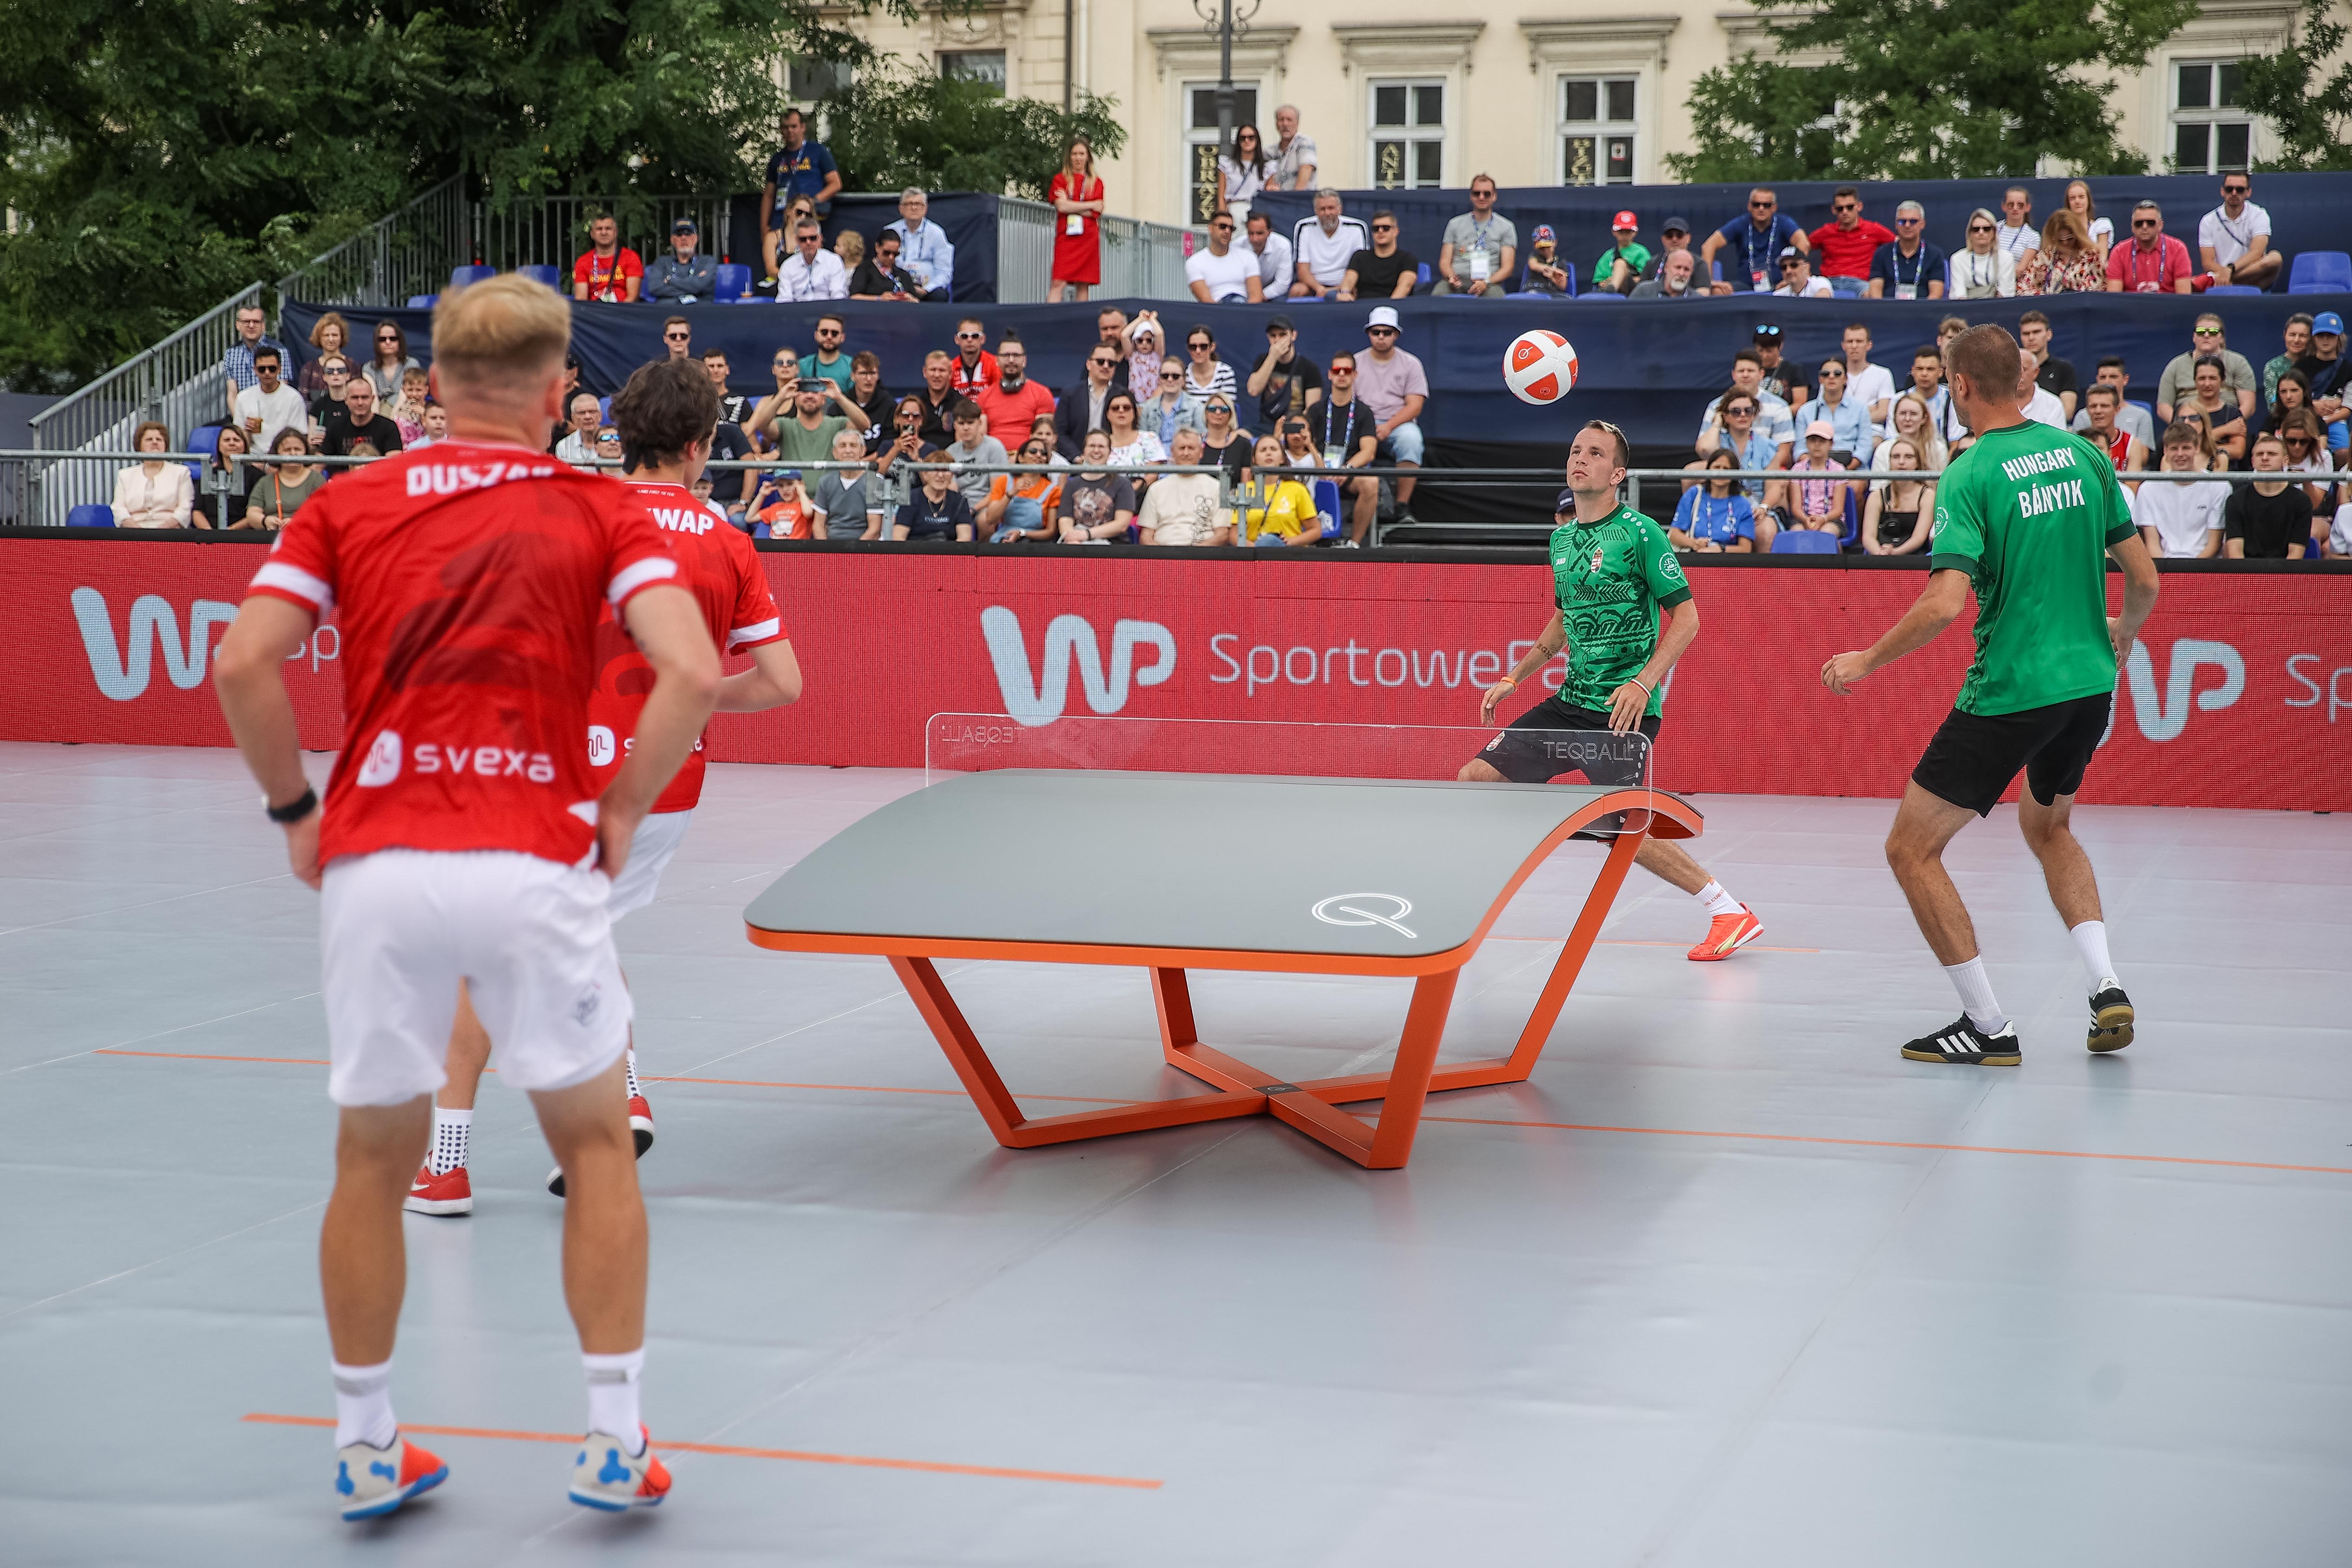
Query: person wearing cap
[1677,278]
[1848,243]
[1478,248]
[1818,505]
[1618,267]
[684,275]
[2325,367]
[1797,280]
[1283,381]
[1394,389]
[1544,273]
[1909,268]
[1674,235]
[1271,253]
[781,508]
[1754,242]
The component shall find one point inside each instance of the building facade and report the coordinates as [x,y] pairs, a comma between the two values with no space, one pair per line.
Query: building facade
[1395,96]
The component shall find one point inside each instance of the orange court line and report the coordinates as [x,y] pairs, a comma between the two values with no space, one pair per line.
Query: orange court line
[869,1088]
[1632,942]
[1896,1143]
[729,1450]
[203,1056]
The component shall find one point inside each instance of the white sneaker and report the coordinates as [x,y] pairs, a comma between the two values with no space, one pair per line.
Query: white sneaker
[606,1477]
[373,1482]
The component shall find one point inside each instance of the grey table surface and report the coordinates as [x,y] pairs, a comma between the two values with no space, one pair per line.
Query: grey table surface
[1398,869]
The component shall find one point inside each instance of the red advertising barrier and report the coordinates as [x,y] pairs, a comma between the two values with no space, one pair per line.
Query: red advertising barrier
[2234,699]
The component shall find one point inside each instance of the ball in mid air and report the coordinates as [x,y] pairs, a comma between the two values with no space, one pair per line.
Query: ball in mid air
[1540,367]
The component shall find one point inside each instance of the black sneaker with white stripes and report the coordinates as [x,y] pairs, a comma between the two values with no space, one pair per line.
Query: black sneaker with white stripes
[1963,1044]
[2111,1019]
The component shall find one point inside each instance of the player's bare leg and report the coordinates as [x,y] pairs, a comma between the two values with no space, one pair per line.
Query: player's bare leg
[2075,892]
[363,1261]
[1924,824]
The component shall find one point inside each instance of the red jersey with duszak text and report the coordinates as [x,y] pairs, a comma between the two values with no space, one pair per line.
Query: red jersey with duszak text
[467,579]
[722,570]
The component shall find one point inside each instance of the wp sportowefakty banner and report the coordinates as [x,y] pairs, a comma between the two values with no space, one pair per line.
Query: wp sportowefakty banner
[2234,698]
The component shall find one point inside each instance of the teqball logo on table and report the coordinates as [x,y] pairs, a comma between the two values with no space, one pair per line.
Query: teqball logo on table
[1350,909]
[1038,698]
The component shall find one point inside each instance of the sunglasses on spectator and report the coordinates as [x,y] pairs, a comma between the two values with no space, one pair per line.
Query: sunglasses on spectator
[1383,229]
[1905,217]
[824,332]
[1380,332]
[1103,360]
[2143,222]
[673,337]
[1172,374]
[1980,228]
[1343,370]
[1762,207]
[1845,206]
[1735,410]
[2235,190]
[2206,332]
[887,251]
[1224,224]
[784,361]
[970,336]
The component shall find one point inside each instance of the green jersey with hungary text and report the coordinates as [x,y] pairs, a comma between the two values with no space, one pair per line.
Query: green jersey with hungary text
[1611,578]
[2028,513]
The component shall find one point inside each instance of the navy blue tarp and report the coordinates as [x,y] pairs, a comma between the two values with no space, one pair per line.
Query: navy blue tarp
[2307,211]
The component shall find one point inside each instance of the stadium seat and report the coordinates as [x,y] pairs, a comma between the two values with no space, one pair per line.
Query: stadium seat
[1803,541]
[1425,274]
[1597,295]
[2232,289]
[1718,272]
[461,276]
[204,440]
[604,409]
[1327,507]
[89,515]
[2320,272]
[547,275]
[422,301]
[734,284]
[1850,536]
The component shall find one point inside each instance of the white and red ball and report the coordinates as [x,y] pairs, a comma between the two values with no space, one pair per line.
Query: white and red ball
[1540,367]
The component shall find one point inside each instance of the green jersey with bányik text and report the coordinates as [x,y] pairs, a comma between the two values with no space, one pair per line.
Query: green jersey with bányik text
[2028,512]
[1610,579]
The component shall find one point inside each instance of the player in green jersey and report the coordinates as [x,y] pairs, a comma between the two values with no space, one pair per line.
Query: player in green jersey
[2026,517]
[1612,571]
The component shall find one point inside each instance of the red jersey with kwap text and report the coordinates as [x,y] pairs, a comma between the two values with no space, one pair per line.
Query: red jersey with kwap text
[722,570]
[468,579]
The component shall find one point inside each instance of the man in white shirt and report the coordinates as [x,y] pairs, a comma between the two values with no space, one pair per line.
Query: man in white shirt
[1292,168]
[1274,268]
[1222,274]
[2041,405]
[2234,239]
[1871,385]
[2015,234]
[1322,246]
[924,252]
[2180,521]
[269,405]
[1797,280]
[813,272]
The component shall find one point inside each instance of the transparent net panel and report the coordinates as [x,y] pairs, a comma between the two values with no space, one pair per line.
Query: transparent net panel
[1524,753]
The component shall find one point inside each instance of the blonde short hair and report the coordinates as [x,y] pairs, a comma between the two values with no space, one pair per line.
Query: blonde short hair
[502,330]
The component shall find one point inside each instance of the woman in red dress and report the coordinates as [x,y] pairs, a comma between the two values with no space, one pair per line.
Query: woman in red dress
[1077,197]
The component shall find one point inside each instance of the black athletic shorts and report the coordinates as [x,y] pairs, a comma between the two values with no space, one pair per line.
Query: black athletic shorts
[1973,758]
[1549,740]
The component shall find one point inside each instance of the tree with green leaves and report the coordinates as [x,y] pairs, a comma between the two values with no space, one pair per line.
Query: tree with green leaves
[897,124]
[160,154]
[1925,89]
[2310,110]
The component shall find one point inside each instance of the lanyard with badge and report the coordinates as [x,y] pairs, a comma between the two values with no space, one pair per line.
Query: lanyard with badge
[1748,243]
[1335,453]
[1908,289]
[1074,224]
[1482,260]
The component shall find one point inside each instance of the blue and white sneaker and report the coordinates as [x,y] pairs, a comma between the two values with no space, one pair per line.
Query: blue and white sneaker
[606,1477]
[374,1482]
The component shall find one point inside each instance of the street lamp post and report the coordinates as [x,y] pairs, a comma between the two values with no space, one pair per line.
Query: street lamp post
[1227,25]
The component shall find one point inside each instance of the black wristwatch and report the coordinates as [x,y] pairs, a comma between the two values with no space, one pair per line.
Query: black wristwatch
[293,811]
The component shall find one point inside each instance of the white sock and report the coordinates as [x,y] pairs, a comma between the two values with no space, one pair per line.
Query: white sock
[612,1383]
[451,1132]
[1974,987]
[629,1068]
[1716,900]
[364,1406]
[2091,942]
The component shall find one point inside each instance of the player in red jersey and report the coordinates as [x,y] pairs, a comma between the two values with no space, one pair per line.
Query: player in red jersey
[667,417]
[464,839]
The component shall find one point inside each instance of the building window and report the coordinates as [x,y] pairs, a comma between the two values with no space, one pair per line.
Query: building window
[1596,131]
[2211,134]
[1200,148]
[812,79]
[1408,134]
[974,65]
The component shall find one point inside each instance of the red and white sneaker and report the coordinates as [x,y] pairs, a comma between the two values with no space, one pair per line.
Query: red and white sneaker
[640,1128]
[448,1192]
[605,1477]
[1727,934]
[373,1482]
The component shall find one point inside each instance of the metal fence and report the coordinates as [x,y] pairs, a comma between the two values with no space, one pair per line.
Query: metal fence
[395,258]
[550,231]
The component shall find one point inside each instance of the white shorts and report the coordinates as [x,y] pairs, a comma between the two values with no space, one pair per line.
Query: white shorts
[651,848]
[532,941]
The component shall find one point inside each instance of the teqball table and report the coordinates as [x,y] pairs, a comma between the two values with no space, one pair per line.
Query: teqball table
[1175,871]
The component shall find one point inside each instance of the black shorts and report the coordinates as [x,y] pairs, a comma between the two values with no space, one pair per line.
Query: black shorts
[1549,740]
[1973,758]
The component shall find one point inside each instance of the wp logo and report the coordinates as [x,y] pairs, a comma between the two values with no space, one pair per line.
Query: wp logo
[2164,717]
[121,674]
[1038,698]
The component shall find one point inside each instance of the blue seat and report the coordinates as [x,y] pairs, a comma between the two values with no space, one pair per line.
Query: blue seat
[1803,541]
[604,409]
[1718,271]
[1598,295]
[422,301]
[1850,536]
[734,283]
[1425,274]
[204,440]
[1327,507]
[461,276]
[2232,289]
[89,515]
[2320,272]
[547,275]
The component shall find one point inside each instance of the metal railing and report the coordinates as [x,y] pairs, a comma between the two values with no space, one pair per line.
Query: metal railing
[1139,260]
[552,231]
[393,259]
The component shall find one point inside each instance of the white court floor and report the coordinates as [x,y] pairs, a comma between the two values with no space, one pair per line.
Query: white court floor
[1727,1283]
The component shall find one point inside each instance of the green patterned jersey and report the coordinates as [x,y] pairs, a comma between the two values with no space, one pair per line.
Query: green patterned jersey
[1611,578]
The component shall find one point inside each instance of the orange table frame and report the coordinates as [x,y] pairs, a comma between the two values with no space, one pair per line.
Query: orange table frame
[1311,1105]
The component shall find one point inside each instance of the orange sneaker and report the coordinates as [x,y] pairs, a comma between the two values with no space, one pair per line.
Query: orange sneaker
[1727,934]
[448,1192]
